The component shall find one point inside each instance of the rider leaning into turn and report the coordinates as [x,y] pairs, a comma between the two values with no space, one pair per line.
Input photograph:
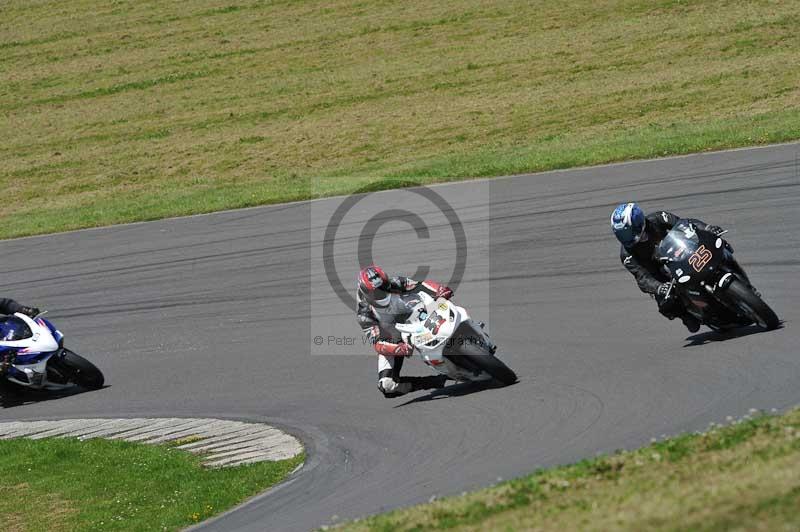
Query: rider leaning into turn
[9,306]
[640,235]
[377,314]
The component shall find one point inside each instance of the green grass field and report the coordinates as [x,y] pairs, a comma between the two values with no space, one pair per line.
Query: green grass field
[745,476]
[121,110]
[55,485]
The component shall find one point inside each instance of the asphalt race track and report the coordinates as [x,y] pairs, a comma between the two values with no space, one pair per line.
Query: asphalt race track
[213,316]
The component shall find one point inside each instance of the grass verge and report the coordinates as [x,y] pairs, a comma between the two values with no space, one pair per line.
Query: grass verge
[65,484]
[125,111]
[745,476]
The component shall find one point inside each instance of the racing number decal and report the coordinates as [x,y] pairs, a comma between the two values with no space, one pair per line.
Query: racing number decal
[434,322]
[700,258]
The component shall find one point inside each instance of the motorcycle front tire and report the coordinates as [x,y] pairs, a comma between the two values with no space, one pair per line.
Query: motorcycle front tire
[79,370]
[476,357]
[742,297]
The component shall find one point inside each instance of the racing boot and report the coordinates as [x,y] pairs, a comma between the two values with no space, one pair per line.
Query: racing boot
[692,323]
[391,388]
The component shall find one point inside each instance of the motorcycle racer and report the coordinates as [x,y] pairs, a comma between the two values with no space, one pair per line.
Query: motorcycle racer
[640,236]
[377,314]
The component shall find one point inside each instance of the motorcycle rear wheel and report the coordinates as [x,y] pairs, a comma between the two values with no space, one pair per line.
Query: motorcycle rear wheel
[78,370]
[747,302]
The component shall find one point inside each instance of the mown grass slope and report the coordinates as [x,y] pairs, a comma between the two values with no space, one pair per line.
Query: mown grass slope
[124,110]
[745,476]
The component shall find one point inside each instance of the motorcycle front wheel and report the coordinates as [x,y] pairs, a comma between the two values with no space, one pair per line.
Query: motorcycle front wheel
[78,370]
[474,356]
[742,297]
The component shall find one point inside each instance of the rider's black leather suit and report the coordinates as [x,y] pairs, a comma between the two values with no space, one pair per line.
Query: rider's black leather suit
[641,262]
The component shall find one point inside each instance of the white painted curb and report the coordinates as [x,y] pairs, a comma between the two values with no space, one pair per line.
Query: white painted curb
[222,443]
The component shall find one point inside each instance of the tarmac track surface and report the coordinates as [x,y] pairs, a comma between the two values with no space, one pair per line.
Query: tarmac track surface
[211,316]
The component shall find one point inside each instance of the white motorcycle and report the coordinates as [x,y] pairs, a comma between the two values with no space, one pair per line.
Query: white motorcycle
[451,343]
[33,350]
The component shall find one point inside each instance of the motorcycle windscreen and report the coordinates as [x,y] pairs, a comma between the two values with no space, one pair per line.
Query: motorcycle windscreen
[679,244]
[13,328]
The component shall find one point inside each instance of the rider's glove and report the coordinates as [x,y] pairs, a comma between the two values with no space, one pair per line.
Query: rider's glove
[444,291]
[30,311]
[717,230]
[663,290]
[404,349]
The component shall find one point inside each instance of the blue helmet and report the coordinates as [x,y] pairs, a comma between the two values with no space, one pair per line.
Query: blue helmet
[627,222]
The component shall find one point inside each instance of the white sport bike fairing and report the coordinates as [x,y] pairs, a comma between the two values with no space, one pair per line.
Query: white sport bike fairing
[449,341]
[40,360]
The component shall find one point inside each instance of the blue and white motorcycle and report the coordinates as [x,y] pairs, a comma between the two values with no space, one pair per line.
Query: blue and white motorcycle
[33,351]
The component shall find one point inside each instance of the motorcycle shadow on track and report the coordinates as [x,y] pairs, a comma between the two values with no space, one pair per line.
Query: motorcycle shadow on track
[456,390]
[721,336]
[12,395]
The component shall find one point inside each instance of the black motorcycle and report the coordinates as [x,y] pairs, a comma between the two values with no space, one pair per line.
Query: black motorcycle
[709,282]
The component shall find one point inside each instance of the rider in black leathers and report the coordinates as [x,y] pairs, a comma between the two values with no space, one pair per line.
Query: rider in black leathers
[638,255]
